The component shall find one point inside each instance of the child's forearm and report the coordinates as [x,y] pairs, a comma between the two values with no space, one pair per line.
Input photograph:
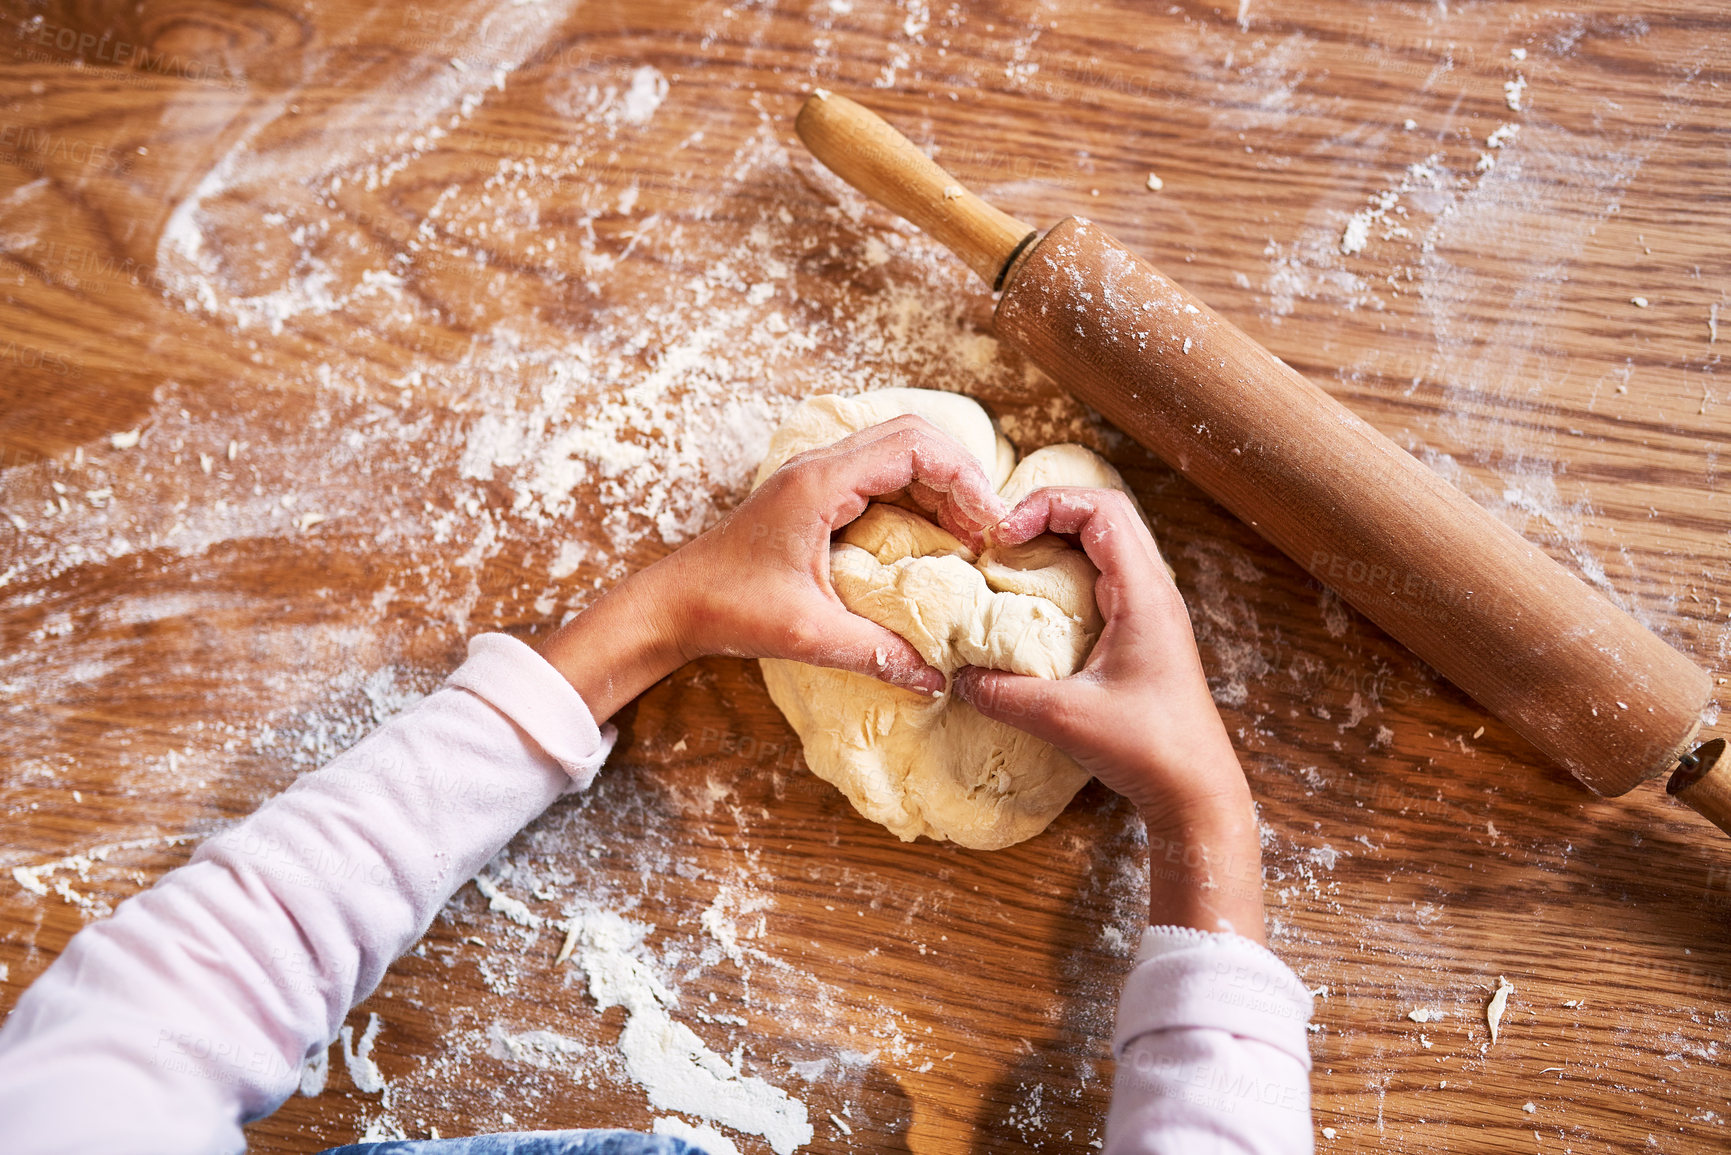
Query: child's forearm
[632,625]
[195,1006]
[1205,869]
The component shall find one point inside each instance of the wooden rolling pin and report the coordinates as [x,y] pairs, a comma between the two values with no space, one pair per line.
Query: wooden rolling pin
[1576,676]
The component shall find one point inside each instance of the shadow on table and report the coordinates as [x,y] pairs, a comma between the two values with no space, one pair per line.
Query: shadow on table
[884,1127]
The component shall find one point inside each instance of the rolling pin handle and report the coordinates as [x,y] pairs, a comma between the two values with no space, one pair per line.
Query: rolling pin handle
[860,147]
[1703,784]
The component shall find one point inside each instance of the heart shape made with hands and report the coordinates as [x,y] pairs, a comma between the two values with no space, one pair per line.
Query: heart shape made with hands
[936,766]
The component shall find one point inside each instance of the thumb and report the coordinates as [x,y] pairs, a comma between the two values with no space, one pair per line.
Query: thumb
[1027,703]
[861,646]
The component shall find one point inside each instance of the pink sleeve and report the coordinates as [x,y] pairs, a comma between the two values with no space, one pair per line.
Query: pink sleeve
[1211,1048]
[193,1009]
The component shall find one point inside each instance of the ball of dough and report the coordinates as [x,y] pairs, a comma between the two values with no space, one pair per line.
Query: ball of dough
[827,418]
[937,767]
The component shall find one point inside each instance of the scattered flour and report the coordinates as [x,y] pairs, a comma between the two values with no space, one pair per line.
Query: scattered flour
[382,1129]
[358,1057]
[642,409]
[514,909]
[673,1066]
[1356,234]
[723,930]
[536,1047]
[1225,621]
[39,880]
[648,89]
[30,880]
[612,105]
[315,1073]
[707,1139]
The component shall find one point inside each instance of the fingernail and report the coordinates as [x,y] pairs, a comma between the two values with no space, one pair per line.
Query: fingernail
[928,681]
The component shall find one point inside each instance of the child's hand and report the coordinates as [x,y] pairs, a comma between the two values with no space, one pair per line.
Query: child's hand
[757,584]
[1139,716]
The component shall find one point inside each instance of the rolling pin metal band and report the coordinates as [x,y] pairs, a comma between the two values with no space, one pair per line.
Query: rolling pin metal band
[1703,782]
[1569,671]
[1010,261]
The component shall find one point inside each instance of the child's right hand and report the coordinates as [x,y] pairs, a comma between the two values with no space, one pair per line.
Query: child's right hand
[757,584]
[1139,716]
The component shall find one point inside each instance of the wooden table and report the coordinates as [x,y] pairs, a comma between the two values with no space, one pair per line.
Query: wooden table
[435,319]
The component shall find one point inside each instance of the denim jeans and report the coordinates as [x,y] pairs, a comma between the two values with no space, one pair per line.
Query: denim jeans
[530,1143]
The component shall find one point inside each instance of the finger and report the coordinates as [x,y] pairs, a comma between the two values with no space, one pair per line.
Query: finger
[925,497]
[1116,540]
[1134,592]
[1036,705]
[901,452]
[937,471]
[936,506]
[830,635]
[1031,517]
[1104,521]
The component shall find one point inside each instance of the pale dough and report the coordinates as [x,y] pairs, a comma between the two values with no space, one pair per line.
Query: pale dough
[1498,1004]
[927,766]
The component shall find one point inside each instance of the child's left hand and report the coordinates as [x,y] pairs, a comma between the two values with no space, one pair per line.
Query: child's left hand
[757,584]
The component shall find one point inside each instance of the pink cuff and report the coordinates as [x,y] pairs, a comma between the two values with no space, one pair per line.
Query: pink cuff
[1190,978]
[522,685]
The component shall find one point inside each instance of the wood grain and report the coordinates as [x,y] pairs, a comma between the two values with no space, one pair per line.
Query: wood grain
[308,233]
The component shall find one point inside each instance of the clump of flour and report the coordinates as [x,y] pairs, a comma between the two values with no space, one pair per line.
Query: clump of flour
[673,1066]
